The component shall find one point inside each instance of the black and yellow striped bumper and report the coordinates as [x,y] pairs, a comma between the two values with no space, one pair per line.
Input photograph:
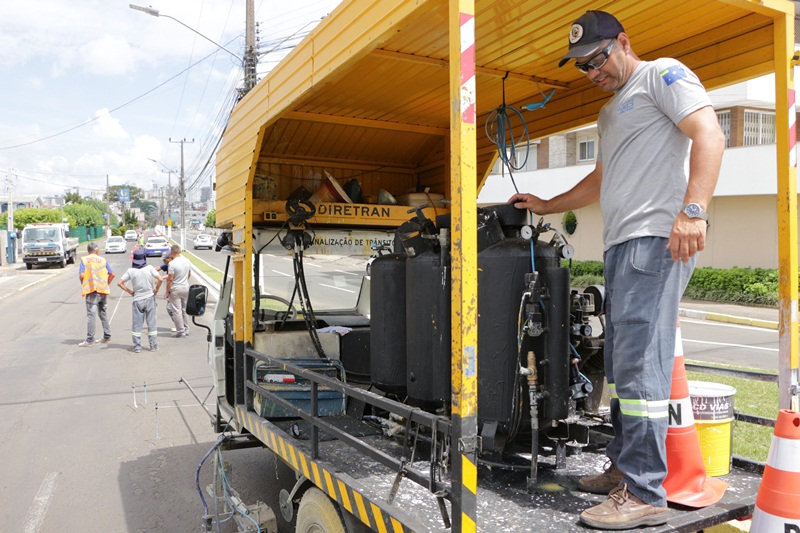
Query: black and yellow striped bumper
[378,515]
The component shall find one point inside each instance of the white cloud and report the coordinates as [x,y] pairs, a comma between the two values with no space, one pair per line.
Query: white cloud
[147,147]
[67,61]
[108,56]
[107,127]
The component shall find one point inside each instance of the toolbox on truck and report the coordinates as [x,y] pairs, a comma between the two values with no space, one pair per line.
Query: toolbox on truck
[297,390]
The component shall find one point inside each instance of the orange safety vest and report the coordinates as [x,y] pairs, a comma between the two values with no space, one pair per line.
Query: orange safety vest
[95,275]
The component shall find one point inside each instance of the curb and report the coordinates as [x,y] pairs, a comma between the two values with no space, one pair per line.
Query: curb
[729,319]
[210,283]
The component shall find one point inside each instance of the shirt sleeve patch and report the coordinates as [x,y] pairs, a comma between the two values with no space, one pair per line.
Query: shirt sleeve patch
[672,74]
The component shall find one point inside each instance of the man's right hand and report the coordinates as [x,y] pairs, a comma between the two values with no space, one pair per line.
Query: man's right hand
[530,202]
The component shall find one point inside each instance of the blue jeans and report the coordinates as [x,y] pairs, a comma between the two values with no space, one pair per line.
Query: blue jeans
[96,304]
[144,311]
[644,287]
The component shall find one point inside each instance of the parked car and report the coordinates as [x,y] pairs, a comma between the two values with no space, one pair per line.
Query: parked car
[131,235]
[115,245]
[155,246]
[203,241]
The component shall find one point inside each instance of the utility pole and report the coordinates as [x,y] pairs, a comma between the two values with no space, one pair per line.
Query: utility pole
[10,188]
[182,194]
[10,185]
[169,202]
[250,56]
[108,209]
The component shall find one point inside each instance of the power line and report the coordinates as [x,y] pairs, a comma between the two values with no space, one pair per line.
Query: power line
[96,117]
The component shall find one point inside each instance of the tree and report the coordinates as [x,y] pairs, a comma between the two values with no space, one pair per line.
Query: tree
[211,219]
[31,215]
[73,198]
[130,219]
[84,215]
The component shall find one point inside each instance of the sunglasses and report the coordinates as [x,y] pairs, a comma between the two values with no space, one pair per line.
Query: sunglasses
[596,61]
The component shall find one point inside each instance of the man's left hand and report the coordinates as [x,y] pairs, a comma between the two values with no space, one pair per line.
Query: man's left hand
[687,238]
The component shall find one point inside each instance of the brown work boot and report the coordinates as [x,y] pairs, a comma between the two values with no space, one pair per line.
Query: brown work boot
[602,483]
[623,510]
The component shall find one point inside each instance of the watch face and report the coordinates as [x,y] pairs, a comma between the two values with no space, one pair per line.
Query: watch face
[692,210]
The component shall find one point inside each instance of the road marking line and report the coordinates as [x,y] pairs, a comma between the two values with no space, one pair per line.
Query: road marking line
[116,307]
[348,273]
[283,273]
[337,288]
[41,503]
[725,325]
[733,345]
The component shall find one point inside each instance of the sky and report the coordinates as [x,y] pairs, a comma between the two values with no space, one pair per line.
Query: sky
[93,90]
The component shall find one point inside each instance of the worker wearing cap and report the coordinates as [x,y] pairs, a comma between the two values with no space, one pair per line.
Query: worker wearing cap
[145,282]
[655,222]
[163,271]
[178,273]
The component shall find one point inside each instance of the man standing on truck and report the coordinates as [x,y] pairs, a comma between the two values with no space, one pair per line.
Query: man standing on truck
[95,275]
[145,281]
[654,224]
[179,272]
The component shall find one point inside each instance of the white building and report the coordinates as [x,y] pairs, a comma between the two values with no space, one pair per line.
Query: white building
[743,213]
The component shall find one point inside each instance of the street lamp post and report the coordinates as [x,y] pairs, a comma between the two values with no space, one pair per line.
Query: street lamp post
[156,13]
[250,59]
[170,172]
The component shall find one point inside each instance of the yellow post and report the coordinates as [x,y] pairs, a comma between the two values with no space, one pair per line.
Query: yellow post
[785,115]
[464,318]
[239,317]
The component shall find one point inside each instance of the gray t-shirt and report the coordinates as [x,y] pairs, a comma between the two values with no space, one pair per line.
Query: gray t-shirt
[180,267]
[143,281]
[643,152]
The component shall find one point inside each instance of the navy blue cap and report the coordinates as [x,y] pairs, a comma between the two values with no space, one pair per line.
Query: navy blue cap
[588,33]
[139,258]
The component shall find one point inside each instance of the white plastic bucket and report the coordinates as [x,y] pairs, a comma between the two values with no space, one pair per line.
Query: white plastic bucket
[712,407]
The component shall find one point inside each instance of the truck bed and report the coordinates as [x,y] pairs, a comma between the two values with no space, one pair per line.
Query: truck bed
[504,505]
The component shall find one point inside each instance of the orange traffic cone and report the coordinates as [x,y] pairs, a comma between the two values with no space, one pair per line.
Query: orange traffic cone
[778,500]
[686,482]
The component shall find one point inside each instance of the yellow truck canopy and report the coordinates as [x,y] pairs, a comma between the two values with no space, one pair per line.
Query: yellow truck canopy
[366,93]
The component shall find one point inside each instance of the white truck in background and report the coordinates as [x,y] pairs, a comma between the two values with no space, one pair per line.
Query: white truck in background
[46,243]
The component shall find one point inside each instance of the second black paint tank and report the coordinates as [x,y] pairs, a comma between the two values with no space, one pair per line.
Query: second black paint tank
[428,328]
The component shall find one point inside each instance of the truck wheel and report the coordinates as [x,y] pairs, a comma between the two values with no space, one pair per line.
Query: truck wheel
[318,514]
[63,264]
[71,259]
[28,266]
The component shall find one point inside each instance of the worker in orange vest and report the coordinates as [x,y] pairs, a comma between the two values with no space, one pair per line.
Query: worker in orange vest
[95,274]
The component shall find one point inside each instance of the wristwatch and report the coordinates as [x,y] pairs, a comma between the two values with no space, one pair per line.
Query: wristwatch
[695,211]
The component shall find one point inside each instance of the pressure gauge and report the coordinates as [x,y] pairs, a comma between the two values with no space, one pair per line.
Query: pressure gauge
[567,251]
[526,232]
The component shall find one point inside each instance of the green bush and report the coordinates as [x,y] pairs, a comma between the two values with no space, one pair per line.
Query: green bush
[586,268]
[752,286]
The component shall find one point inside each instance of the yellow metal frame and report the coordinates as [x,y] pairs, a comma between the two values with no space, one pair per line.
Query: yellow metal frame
[464,264]
[755,38]
[785,113]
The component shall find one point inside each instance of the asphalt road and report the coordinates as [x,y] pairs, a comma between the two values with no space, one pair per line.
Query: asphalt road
[84,447]
[730,344]
[336,279]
